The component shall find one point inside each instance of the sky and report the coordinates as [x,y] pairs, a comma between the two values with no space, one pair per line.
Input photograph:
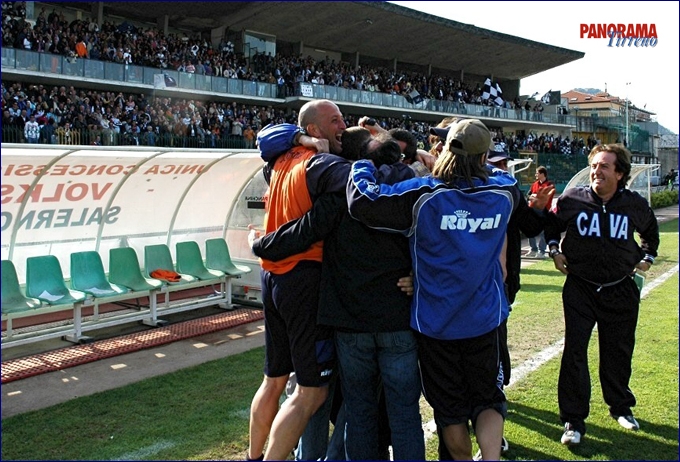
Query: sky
[646,75]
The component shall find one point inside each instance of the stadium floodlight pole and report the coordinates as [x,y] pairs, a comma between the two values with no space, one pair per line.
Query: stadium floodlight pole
[627,139]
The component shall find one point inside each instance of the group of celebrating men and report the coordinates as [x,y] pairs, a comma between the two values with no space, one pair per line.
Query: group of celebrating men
[388,272]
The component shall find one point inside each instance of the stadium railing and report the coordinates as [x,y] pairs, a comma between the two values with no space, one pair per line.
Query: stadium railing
[24,60]
[87,137]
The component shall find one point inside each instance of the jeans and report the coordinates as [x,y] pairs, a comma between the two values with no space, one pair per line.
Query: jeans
[541,246]
[364,358]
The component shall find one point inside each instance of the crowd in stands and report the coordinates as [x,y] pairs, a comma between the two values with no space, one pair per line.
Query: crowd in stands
[125,43]
[66,115]
[118,118]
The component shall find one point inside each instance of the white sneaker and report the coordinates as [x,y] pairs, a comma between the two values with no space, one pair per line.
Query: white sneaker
[570,435]
[504,447]
[530,254]
[627,421]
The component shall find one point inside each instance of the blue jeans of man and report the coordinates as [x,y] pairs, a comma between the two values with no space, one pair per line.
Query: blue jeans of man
[314,443]
[539,246]
[364,359]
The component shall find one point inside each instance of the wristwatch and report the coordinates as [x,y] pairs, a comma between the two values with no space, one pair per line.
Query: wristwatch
[553,253]
[298,133]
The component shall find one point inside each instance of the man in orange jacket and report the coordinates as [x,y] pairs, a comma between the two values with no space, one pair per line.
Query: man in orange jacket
[290,290]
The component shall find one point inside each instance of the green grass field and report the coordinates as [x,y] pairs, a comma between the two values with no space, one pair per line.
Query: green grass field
[201,413]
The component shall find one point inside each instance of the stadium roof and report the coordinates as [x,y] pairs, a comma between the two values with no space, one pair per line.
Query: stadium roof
[377,29]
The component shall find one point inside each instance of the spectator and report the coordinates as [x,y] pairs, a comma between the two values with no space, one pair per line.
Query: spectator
[538,249]
[48,132]
[249,137]
[669,179]
[237,128]
[150,136]
[64,134]
[32,131]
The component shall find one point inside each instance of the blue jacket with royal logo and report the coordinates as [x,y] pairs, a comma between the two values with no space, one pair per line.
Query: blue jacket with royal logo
[456,234]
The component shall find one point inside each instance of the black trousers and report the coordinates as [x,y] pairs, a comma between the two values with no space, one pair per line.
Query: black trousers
[442,450]
[615,311]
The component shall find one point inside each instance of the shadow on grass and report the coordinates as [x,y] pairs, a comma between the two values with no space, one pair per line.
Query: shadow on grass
[601,442]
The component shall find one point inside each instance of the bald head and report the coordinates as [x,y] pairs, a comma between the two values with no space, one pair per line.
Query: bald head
[323,119]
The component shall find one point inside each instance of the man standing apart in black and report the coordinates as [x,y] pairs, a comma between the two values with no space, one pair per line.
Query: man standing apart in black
[600,256]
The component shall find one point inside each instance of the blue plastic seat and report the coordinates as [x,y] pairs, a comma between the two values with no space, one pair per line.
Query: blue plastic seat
[13,300]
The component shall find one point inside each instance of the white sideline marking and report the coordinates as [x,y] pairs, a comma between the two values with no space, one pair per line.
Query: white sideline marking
[144,453]
[533,363]
[658,281]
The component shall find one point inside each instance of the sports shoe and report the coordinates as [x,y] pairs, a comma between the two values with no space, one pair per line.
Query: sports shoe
[570,435]
[627,421]
[541,255]
[530,254]
[504,447]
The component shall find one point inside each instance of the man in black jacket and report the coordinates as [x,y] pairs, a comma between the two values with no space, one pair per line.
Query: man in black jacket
[600,256]
[361,300]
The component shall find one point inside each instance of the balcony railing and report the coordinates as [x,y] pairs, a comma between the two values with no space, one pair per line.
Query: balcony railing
[11,134]
[24,60]
[56,64]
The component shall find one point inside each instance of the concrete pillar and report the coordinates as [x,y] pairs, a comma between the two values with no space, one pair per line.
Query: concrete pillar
[162,23]
[301,47]
[97,12]
[356,60]
[394,65]
[216,36]
[30,10]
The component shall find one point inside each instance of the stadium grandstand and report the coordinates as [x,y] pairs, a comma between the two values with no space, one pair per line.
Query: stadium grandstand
[151,109]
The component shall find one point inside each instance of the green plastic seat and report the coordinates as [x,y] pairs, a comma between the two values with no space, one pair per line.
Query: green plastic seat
[13,300]
[45,281]
[87,275]
[158,257]
[190,261]
[217,257]
[124,270]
